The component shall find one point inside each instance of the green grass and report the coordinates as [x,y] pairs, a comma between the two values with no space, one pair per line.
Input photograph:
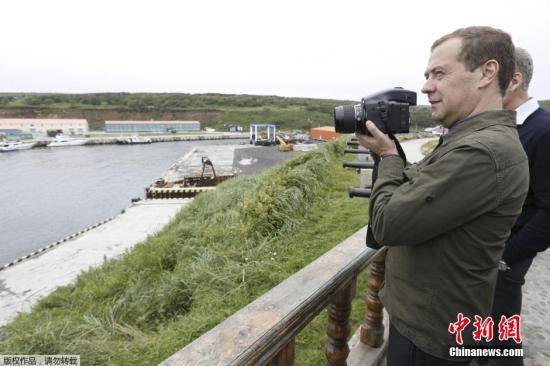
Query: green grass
[428,147]
[220,253]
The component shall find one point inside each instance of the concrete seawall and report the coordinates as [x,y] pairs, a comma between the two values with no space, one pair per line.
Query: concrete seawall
[108,140]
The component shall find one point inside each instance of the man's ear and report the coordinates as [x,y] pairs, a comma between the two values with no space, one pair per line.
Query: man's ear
[516,82]
[489,73]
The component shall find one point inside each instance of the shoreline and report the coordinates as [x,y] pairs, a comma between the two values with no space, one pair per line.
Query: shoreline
[39,272]
[113,140]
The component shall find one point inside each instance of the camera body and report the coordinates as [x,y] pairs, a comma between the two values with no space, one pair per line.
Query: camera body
[388,109]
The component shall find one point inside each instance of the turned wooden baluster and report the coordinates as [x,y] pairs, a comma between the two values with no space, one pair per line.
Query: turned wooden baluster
[285,357]
[338,328]
[372,329]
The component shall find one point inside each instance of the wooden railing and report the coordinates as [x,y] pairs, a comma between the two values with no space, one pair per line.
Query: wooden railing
[263,332]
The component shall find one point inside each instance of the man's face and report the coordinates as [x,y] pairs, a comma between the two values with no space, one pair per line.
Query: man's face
[451,89]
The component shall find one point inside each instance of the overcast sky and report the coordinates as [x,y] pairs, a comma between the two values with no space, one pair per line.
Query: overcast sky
[338,49]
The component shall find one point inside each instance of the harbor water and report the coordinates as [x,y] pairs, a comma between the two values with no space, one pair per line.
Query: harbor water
[47,194]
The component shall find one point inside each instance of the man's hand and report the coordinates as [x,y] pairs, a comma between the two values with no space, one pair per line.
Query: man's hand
[379,143]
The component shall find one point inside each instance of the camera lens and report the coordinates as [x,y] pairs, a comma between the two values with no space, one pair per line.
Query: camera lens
[344,119]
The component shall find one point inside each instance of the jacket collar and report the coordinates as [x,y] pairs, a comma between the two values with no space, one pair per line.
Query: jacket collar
[480,121]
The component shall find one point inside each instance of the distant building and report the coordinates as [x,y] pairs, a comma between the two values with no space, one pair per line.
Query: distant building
[13,134]
[151,126]
[262,134]
[42,125]
[234,128]
[325,133]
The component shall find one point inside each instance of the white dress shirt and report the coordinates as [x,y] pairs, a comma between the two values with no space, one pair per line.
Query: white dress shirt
[525,110]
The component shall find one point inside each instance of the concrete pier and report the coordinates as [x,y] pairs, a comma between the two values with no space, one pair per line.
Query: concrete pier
[221,157]
[228,160]
[110,139]
[22,285]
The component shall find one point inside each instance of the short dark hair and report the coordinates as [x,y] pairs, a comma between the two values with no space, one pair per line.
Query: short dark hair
[481,44]
[524,65]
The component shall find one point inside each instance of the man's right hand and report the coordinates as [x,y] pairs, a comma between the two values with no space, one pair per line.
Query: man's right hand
[379,143]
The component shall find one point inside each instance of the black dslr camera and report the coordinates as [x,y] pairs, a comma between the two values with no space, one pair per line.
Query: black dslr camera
[389,110]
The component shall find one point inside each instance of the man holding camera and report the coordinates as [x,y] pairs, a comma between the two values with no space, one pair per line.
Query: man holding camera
[445,219]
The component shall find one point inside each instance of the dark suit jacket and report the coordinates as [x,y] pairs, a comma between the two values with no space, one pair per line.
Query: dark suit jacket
[531,232]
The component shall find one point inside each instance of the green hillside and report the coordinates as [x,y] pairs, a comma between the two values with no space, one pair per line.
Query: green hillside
[213,110]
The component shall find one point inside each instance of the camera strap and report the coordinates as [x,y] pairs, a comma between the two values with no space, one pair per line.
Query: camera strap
[370,240]
[400,150]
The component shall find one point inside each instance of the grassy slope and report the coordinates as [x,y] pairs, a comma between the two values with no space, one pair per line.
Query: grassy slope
[220,253]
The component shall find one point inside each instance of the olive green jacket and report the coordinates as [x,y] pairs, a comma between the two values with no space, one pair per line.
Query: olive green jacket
[445,221]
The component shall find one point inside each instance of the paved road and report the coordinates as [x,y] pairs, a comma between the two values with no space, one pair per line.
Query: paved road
[412,148]
[535,315]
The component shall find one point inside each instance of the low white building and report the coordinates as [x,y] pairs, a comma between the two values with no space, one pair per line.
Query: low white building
[151,126]
[42,125]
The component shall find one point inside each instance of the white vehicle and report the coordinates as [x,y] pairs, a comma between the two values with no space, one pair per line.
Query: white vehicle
[14,146]
[134,140]
[63,140]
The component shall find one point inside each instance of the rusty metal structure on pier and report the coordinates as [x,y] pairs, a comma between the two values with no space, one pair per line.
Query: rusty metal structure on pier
[189,185]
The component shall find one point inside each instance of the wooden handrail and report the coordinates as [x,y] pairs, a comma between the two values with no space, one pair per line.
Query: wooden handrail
[263,332]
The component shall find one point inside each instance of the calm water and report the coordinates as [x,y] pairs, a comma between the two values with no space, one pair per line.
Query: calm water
[49,193]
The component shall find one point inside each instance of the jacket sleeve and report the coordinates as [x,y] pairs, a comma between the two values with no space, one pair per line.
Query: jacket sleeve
[534,236]
[442,196]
